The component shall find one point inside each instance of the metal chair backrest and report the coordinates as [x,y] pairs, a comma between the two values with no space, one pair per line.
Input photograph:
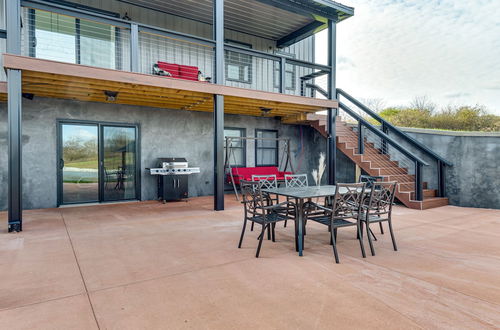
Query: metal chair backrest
[348,200]
[267,181]
[296,180]
[369,180]
[253,200]
[381,197]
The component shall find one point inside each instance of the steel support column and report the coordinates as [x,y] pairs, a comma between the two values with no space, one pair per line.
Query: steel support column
[283,76]
[134,47]
[218,119]
[14,90]
[332,113]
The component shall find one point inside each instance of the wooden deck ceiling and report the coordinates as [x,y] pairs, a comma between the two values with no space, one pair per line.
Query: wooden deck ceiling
[72,81]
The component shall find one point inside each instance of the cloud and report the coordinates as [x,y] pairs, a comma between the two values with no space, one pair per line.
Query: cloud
[457,95]
[397,49]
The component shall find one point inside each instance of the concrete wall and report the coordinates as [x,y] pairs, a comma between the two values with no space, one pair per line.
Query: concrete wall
[474,178]
[164,133]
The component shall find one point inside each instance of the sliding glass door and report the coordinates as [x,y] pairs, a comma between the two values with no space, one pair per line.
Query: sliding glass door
[97,162]
[79,163]
[119,162]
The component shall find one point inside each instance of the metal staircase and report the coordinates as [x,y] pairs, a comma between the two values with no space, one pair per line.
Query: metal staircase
[381,149]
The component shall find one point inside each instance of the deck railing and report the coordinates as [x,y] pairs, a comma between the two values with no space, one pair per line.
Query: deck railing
[390,140]
[73,35]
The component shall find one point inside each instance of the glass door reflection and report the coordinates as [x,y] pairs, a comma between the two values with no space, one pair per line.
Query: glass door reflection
[79,163]
[118,163]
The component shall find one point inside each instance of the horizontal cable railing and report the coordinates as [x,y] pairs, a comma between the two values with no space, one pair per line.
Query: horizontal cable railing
[60,33]
[169,56]
[377,131]
[386,126]
[58,37]
[367,135]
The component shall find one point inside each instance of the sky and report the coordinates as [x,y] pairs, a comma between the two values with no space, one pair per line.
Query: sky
[396,50]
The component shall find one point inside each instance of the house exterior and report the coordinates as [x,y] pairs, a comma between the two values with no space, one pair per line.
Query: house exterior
[95,92]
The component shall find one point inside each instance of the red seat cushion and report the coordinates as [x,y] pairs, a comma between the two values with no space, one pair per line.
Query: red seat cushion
[171,68]
[245,173]
[188,72]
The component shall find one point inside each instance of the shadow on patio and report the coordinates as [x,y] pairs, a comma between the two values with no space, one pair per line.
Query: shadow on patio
[149,265]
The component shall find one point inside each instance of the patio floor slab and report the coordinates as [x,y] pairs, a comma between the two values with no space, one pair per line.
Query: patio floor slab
[149,265]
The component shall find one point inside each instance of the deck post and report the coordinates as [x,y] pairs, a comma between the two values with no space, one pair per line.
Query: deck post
[331,152]
[218,117]
[134,47]
[14,90]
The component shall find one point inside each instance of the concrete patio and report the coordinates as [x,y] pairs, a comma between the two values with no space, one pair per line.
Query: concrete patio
[147,265]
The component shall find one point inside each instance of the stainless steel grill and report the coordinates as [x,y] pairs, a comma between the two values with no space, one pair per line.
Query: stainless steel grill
[173,166]
[173,176]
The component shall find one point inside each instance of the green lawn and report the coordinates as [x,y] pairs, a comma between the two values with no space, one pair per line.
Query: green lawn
[83,164]
[92,163]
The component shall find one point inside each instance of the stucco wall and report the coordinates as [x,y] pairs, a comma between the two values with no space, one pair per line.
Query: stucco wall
[474,178]
[164,133]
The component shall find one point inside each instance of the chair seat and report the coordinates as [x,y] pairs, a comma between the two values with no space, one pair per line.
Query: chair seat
[326,220]
[269,218]
[374,218]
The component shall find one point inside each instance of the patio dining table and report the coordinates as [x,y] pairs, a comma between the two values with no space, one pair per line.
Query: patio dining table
[300,194]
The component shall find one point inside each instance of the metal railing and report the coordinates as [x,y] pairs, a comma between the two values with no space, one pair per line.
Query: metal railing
[61,33]
[372,128]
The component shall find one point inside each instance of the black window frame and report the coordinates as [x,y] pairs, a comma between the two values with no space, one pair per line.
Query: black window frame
[257,148]
[243,145]
[230,56]
[293,71]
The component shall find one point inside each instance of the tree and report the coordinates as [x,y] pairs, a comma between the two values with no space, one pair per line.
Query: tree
[423,103]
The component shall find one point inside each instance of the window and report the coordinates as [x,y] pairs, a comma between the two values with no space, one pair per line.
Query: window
[237,158]
[238,66]
[290,72]
[266,151]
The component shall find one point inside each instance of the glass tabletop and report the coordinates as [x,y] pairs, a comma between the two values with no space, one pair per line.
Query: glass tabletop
[308,192]
[303,192]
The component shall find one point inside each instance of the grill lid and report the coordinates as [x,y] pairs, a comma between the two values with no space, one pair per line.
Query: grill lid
[172,162]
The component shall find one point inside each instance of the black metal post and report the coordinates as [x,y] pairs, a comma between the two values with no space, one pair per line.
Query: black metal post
[419,192]
[31,32]
[361,139]
[283,76]
[219,106]
[441,179]
[134,47]
[331,151]
[14,90]
[385,129]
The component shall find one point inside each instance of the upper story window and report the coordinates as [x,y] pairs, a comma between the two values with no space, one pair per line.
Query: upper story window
[290,72]
[238,66]
[237,154]
[266,151]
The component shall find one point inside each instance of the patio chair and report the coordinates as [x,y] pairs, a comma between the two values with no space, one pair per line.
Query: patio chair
[268,182]
[378,208]
[257,210]
[293,181]
[370,180]
[345,212]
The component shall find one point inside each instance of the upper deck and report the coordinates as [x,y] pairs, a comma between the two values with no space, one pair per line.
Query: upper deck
[268,43]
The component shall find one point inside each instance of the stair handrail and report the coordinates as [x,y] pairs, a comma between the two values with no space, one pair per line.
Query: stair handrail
[419,193]
[393,128]
[382,135]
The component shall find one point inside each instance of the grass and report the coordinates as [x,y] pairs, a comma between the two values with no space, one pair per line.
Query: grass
[83,164]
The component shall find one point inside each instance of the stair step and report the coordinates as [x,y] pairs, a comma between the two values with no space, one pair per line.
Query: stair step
[427,193]
[394,171]
[409,186]
[432,202]
[375,163]
[400,178]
